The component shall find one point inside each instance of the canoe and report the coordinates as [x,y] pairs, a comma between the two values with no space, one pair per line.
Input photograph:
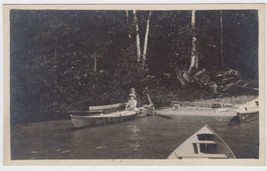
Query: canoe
[118,116]
[206,144]
[247,112]
[196,112]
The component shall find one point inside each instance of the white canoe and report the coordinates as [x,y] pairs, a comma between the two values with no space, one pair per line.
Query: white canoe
[84,121]
[205,143]
[248,111]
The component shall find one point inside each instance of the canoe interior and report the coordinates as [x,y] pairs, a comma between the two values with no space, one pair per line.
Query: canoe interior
[107,108]
[205,143]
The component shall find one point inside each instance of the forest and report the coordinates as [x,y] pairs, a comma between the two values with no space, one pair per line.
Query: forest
[64,60]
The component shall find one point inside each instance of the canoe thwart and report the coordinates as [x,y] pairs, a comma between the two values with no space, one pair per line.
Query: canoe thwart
[204,142]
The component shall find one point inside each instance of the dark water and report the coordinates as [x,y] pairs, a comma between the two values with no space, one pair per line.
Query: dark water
[143,138]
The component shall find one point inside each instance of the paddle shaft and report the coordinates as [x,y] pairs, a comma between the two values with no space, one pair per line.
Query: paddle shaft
[149,99]
[153,107]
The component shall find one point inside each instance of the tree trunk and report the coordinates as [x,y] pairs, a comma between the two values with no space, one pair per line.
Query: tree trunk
[128,24]
[181,78]
[221,25]
[146,39]
[138,47]
[55,52]
[95,63]
[130,31]
[194,57]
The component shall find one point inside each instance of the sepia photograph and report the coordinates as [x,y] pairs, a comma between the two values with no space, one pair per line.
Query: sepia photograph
[134,83]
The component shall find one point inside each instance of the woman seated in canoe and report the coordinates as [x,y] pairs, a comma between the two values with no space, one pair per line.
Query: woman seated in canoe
[132,103]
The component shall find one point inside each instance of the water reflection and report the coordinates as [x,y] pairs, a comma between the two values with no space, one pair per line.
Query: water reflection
[134,136]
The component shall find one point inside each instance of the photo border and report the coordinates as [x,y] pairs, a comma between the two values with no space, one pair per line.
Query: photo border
[138,162]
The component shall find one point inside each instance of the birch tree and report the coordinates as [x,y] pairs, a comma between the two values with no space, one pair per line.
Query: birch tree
[94,56]
[128,24]
[146,39]
[138,46]
[194,57]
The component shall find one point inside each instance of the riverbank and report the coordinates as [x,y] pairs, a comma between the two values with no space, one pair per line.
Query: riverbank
[199,102]
[196,112]
[162,97]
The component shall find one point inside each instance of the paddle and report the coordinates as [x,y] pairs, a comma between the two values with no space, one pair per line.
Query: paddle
[153,108]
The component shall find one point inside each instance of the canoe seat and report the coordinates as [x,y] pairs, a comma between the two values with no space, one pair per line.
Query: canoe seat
[217,156]
[204,146]
[205,142]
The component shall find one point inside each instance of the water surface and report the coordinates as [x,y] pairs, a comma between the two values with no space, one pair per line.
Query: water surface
[142,138]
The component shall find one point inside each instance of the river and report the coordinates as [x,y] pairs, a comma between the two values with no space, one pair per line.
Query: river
[142,138]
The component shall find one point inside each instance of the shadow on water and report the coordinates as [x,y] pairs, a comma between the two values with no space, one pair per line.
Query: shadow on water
[234,121]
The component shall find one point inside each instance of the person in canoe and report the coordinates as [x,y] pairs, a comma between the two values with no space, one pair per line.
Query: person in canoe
[132,103]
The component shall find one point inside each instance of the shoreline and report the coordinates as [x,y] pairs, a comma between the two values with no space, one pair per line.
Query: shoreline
[207,112]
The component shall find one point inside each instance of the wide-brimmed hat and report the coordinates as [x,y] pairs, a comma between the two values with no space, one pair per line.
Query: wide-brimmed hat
[132,95]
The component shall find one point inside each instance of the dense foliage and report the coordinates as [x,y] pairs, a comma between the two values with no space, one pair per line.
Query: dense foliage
[67,60]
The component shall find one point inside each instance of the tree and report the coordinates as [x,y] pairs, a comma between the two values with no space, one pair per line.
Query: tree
[221,29]
[138,46]
[94,56]
[128,24]
[146,39]
[194,57]
[138,39]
